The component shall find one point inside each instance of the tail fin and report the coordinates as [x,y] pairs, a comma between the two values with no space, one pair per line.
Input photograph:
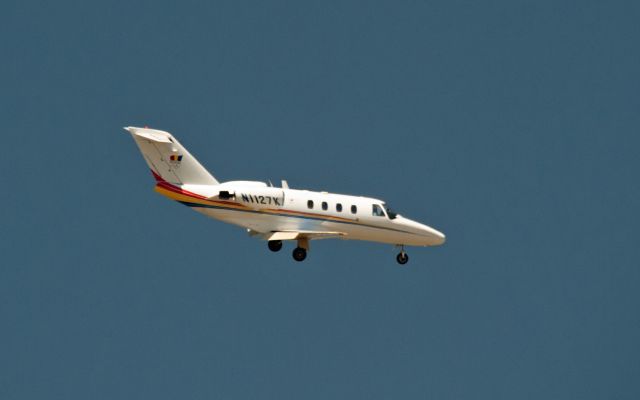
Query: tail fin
[167,158]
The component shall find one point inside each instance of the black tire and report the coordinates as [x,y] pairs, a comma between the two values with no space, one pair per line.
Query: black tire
[402,258]
[275,245]
[299,254]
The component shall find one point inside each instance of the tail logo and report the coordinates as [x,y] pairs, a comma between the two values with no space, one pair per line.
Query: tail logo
[175,159]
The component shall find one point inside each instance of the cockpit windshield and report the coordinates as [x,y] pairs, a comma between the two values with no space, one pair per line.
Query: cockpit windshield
[376,211]
[390,213]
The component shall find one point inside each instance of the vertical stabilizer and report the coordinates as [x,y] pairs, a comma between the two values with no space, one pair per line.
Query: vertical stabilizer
[169,159]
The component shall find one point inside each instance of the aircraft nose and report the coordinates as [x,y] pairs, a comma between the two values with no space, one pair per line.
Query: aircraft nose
[439,236]
[436,237]
[432,236]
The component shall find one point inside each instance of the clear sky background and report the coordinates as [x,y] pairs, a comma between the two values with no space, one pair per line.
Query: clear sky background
[512,126]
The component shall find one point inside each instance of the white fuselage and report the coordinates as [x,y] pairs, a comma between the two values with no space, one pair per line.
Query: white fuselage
[263,209]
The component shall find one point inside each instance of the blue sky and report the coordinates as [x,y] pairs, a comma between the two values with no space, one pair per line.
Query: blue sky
[509,125]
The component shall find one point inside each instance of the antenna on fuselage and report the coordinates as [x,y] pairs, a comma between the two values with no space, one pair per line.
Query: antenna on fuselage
[285,185]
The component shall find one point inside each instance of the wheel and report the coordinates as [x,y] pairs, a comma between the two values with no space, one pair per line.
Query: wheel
[402,258]
[299,254]
[274,245]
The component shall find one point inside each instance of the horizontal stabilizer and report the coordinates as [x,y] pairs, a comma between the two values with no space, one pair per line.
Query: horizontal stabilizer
[150,134]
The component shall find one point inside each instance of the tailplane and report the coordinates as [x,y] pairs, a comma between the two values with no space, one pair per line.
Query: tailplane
[168,159]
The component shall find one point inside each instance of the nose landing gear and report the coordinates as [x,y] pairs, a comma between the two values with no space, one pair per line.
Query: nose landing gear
[402,258]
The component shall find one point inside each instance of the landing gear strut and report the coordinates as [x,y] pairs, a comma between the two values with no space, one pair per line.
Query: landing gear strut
[275,245]
[402,258]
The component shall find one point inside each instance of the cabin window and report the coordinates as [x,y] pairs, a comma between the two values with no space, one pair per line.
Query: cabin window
[354,209]
[339,207]
[376,211]
[310,204]
[325,206]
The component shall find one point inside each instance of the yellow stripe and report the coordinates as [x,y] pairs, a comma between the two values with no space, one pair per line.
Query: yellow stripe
[181,197]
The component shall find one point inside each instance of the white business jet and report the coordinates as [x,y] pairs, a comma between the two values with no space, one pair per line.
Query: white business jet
[276,214]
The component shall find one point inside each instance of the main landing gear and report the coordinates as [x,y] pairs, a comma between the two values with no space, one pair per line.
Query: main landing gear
[299,253]
[275,245]
[402,258]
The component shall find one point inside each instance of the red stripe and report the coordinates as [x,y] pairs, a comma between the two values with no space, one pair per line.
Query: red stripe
[327,217]
[178,190]
[175,189]
[158,177]
[163,183]
[172,188]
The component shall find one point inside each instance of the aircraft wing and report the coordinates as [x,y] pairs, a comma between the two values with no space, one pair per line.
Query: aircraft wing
[293,235]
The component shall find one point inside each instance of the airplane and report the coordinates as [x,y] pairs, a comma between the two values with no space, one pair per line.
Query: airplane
[276,214]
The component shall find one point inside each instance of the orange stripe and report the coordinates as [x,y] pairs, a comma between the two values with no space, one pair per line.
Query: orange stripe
[177,194]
